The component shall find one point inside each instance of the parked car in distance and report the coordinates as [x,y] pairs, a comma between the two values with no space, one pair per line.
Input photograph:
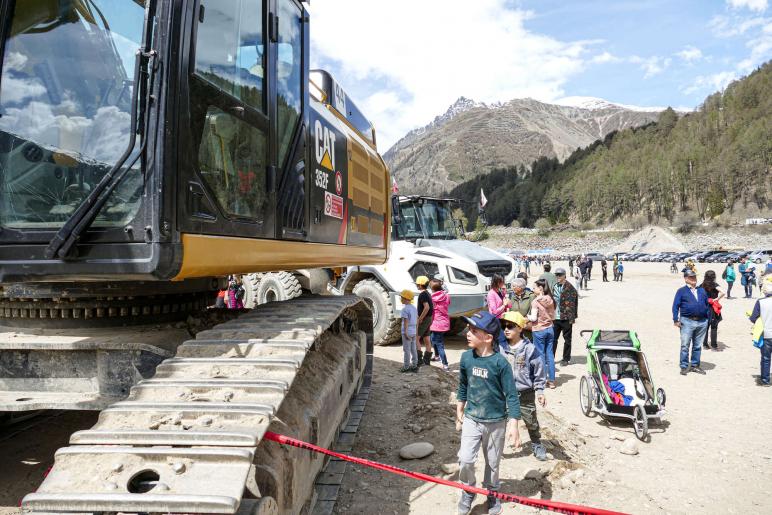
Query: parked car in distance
[759,256]
[595,256]
[705,255]
[719,257]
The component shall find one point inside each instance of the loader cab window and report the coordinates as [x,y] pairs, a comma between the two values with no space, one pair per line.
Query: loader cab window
[289,69]
[227,106]
[65,103]
[425,218]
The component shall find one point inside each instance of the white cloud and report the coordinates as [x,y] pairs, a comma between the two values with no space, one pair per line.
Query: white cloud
[732,26]
[653,65]
[690,54]
[760,46]
[423,58]
[753,5]
[604,58]
[715,82]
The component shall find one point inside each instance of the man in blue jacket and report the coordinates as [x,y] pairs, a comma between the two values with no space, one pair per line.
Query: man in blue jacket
[690,315]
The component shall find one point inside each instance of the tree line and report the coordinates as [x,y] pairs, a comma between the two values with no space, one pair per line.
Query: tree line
[708,163]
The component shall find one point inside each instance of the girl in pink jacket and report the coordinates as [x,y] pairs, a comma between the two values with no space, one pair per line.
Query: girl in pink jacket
[498,304]
[441,321]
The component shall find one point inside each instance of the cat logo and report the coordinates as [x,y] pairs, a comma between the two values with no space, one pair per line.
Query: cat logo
[324,142]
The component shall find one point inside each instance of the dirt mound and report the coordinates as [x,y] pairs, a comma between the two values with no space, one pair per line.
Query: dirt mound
[651,239]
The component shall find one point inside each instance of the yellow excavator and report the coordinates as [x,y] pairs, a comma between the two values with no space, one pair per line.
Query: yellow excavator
[150,150]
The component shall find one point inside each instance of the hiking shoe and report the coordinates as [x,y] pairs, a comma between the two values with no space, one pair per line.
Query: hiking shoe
[446,368]
[494,505]
[427,358]
[698,370]
[705,346]
[405,369]
[414,369]
[420,359]
[759,382]
[565,363]
[540,452]
[465,504]
[684,371]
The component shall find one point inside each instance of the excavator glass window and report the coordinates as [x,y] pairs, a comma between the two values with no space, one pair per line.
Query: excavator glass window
[65,103]
[227,106]
[289,68]
[229,49]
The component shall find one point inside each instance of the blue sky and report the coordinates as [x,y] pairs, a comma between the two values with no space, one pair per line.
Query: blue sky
[406,61]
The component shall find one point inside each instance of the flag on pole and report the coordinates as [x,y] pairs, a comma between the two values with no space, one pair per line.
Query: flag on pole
[483,200]
[394,187]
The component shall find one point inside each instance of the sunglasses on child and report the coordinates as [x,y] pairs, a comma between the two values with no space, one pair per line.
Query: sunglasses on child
[510,326]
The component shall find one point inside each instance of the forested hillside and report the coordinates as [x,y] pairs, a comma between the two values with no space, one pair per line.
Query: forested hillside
[715,160]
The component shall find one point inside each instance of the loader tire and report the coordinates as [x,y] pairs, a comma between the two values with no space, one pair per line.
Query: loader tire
[272,287]
[250,283]
[385,323]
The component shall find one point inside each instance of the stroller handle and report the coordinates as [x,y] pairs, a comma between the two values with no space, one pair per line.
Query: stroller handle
[582,333]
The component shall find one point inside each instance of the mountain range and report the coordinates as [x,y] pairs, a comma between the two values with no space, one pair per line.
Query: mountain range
[712,163]
[472,138]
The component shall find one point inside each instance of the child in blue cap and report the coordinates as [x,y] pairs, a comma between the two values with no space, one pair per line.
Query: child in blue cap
[487,408]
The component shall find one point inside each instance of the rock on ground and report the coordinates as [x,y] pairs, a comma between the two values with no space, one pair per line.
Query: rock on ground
[416,451]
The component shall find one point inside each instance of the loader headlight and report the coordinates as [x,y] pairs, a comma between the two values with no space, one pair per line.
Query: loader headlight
[461,277]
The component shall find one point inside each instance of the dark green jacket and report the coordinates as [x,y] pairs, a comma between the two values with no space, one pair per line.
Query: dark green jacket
[522,305]
[488,387]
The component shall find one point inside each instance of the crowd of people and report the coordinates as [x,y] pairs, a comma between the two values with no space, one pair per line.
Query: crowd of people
[697,313]
[510,362]
[513,346]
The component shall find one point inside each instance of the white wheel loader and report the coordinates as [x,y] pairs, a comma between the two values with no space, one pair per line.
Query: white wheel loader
[425,240]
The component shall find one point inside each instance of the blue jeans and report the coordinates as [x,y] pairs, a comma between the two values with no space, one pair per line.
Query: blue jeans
[543,340]
[692,334]
[766,358]
[438,341]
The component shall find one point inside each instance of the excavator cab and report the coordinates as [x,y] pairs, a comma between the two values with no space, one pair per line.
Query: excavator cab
[141,140]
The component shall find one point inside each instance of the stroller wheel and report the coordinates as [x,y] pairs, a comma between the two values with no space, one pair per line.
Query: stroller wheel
[640,423]
[585,398]
[661,397]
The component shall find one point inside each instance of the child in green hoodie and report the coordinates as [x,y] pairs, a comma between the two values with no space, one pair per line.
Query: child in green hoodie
[487,409]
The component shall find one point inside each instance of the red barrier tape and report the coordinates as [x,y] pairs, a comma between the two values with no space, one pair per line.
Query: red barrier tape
[558,507]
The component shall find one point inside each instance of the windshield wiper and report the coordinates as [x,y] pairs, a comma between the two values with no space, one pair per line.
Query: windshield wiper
[144,68]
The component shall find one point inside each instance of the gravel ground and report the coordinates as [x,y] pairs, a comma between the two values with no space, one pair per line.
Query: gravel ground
[711,455]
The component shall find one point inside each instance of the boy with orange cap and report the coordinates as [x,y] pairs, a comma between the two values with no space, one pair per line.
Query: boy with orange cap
[409,321]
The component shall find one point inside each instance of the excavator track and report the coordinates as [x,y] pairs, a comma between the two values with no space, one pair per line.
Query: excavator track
[188,440]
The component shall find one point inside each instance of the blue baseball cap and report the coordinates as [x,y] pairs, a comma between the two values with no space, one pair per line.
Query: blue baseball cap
[484,321]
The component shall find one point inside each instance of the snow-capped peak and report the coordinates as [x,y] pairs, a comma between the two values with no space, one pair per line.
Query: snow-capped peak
[461,105]
[599,103]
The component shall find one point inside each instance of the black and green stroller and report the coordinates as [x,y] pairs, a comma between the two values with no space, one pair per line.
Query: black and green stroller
[618,383]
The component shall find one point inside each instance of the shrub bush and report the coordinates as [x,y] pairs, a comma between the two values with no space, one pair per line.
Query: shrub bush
[686,222]
[543,226]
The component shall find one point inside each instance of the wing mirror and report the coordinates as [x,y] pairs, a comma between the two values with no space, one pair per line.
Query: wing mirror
[396,219]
